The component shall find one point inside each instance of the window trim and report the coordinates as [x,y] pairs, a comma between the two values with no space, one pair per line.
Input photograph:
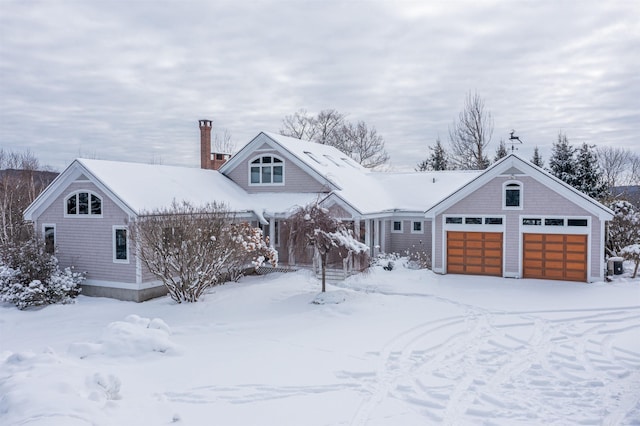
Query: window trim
[478,226]
[44,236]
[545,223]
[114,242]
[512,184]
[413,224]
[260,165]
[76,193]
[397,231]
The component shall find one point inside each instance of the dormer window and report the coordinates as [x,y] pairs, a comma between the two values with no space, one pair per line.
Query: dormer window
[512,195]
[266,170]
[83,203]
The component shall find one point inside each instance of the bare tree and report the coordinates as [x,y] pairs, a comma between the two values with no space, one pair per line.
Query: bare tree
[363,144]
[470,135]
[330,127]
[299,125]
[613,163]
[22,179]
[222,142]
[313,226]
[188,248]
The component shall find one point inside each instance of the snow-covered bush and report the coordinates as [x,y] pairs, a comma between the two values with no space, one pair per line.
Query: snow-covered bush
[418,259]
[191,248]
[624,229]
[29,276]
[251,250]
[632,252]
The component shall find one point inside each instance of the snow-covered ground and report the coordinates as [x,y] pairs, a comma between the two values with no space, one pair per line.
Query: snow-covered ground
[403,347]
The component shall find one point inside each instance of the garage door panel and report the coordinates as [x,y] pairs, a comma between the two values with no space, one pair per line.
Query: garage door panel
[478,253]
[555,256]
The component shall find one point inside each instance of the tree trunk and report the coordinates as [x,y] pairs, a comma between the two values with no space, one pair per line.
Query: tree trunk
[323,260]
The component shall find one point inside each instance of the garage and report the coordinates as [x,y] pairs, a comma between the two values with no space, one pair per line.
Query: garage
[477,253]
[555,256]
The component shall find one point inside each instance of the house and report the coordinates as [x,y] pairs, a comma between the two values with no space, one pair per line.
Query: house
[512,220]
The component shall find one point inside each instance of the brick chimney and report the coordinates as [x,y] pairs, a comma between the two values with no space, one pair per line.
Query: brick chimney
[205,144]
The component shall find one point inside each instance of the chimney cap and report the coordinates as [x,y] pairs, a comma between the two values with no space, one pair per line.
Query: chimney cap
[204,123]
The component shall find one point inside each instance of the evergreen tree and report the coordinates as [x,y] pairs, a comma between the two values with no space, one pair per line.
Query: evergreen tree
[562,162]
[588,175]
[537,158]
[438,159]
[501,151]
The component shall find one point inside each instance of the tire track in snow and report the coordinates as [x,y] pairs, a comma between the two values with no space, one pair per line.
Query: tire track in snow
[567,368]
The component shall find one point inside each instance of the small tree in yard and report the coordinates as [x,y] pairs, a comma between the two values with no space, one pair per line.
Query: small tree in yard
[313,226]
[190,248]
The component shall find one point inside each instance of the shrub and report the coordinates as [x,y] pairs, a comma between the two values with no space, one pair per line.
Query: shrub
[29,276]
[417,259]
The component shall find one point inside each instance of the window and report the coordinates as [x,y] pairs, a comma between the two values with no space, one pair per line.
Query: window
[493,221]
[554,222]
[532,221]
[49,232]
[396,226]
[330,158]
[513,195]
[266,170]
[454,220]
[473,220]
[83,203]
[576,222]
[350,162]
[416,227]
[314,158]
[120,246]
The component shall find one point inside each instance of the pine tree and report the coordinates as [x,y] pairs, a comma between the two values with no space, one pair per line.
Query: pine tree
[562,162]
[537,158]
[501,151]
[588,175]
[438,159]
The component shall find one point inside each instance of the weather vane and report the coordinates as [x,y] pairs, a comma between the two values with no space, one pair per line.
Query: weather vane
[513,140]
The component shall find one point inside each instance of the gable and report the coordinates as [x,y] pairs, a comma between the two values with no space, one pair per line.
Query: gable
[550,183]
[71,177]
[298,175]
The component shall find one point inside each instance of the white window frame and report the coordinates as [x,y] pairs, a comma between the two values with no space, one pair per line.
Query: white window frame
[413,229]
[399,231]
[505,186]
[261,165]
[78,215]
[114,248]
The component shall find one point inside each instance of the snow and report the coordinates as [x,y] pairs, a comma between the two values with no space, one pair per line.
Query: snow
[400,347]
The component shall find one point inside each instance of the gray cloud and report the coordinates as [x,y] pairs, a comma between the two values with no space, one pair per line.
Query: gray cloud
[129,80]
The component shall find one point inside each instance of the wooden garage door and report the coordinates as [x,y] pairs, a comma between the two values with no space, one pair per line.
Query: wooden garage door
[477,253]
[555,257]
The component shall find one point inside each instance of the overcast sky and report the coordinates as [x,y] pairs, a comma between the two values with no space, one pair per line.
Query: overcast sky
[128,80]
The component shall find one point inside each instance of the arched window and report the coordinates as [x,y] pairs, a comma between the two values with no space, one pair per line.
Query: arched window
[83,203]
[512,195]
[266,170]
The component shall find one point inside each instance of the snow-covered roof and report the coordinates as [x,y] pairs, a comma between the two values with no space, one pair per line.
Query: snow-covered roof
[369,191]
[147,187]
